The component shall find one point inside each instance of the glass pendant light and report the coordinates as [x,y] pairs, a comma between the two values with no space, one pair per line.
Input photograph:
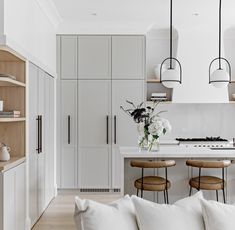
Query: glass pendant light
[220,78]
[172,76]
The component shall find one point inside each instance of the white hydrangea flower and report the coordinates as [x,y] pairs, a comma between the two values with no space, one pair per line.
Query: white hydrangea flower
[156,128]
[166,125]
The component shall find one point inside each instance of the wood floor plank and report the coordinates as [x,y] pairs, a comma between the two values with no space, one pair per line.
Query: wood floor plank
[59,214]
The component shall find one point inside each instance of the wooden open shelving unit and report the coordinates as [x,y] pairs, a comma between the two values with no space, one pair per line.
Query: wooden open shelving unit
[154,86]
[12,119]
[5,81]
[13,95]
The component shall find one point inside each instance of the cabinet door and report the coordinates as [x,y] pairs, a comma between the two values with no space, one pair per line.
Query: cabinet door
[94,133]
[9,208]
[49,155]
[52,137]
[94,57]
[14,193]
[41,156]
[33,155]
[68,108]
[68,57]
[124,128]
[20,196]
[128,57]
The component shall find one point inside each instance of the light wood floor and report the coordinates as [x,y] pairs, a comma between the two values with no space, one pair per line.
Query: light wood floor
[59,214]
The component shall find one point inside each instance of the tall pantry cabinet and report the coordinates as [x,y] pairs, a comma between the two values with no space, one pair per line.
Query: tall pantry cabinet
[41,141]
[96,77]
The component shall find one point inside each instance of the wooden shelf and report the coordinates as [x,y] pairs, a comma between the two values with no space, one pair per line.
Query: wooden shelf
[233,81]
[162,102]
[153,80]
[5,81]
[12,119]
[13,162]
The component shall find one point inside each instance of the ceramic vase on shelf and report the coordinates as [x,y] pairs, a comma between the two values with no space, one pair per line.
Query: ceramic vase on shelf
[4,152]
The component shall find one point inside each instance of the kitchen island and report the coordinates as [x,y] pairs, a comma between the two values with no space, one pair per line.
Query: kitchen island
[178,175]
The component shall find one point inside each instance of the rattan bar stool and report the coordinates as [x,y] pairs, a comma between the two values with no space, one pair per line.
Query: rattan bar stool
[153,183]
[208,182]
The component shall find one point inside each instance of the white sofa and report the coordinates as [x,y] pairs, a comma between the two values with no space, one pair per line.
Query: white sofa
[134,213]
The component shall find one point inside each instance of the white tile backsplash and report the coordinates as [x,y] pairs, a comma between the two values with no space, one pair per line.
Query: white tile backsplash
[200,120]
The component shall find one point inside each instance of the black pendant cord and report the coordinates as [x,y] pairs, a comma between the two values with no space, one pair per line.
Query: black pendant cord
[171,33]
[171,58]
[220,58]
[220,23]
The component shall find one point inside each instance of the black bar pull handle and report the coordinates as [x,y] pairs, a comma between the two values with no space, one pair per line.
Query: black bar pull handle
[40,133]
[38,137]
[115,129]
[107,129]
[69,130]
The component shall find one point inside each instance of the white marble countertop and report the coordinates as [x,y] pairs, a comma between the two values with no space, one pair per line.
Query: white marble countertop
[177,151]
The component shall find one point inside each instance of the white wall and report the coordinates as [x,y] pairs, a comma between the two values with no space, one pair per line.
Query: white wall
[30,32]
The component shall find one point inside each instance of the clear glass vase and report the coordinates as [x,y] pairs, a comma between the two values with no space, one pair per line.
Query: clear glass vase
[148,143]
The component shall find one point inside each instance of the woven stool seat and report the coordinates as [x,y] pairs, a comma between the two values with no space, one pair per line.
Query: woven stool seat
[152,183]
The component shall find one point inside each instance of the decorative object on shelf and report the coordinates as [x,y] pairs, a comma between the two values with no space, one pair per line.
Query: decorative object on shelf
[1,106]
[157,70]
[10,114]
[233,96]
[158,97]
[220,78]
[150,125]
[172,76]
[4,152]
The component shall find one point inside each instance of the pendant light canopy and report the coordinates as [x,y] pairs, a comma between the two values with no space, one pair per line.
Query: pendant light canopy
[220,78]
[172,76]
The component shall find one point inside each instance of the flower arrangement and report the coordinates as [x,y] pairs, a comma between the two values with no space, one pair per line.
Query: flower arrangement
[150,125]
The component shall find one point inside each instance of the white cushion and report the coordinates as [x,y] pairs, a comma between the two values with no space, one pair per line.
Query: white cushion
[91,215]
[185,214]
[218,216]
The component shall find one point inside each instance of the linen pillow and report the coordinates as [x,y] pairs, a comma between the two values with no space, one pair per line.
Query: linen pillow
[91,215]
[218,216]
[185,214]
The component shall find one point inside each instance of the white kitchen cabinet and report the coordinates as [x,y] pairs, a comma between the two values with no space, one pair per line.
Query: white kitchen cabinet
[13,199]
[49,139]
[94,133]
[33,142]
[68,57]
[68,141]
[111,69]
[41,141]
[94,57]
[41,154]
[128,57]
[124,129]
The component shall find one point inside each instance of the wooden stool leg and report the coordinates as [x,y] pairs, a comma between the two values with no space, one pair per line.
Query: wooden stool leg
[164,193]
[224,195]
[141,193]
[190,191]
[217,197]
[137,193]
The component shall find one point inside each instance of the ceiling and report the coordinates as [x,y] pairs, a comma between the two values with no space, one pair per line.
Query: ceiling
[139,13]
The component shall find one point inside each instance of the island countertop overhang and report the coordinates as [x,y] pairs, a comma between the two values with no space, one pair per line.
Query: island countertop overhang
[177,151]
